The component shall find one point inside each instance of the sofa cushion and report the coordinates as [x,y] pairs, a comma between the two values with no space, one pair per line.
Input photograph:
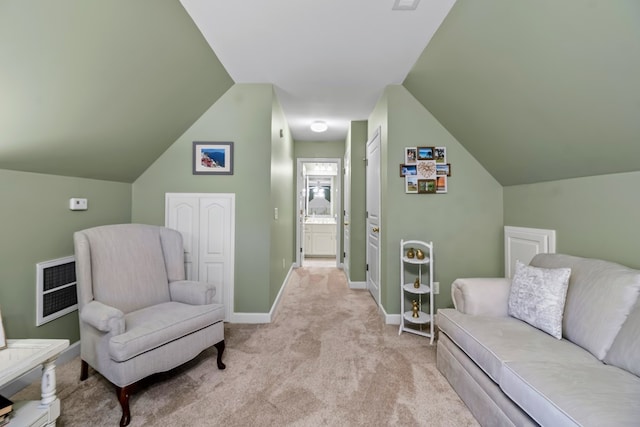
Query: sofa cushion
[625,350]
[155,326]
[491,341]
[601,295]
[573,394]
[537,297]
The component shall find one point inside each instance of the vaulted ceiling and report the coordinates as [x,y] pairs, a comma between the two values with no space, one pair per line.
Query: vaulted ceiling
[99,89]
[536,91]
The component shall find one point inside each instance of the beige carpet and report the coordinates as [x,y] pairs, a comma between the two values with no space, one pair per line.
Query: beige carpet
[326,360]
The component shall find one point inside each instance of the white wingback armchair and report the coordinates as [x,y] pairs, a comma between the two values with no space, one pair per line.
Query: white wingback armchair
[138,314]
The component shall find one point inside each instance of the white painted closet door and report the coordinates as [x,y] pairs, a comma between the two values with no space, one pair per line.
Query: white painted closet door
[214,249]
[207,224]
[182,213]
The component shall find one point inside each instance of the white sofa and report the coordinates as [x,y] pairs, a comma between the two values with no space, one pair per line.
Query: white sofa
[511,374]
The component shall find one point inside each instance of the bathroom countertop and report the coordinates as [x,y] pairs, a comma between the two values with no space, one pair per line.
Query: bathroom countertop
[320,221]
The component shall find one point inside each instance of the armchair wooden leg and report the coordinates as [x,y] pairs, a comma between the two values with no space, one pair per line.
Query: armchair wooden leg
[123,397]
[220,346]
[84,370]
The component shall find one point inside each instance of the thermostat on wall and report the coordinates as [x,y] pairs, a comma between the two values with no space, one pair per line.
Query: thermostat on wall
[76,204]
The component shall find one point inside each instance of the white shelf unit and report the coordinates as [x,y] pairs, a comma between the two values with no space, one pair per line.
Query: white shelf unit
[422,270]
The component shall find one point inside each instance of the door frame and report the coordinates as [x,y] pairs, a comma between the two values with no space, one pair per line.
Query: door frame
[300,187]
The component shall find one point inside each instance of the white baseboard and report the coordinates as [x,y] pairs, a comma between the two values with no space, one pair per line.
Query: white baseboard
[357,285]
[390,319]
[35,375]
[263,317]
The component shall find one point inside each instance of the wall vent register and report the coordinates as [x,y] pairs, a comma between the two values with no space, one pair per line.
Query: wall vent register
[56,289]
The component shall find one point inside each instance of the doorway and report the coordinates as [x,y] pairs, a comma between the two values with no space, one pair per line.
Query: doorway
[318,231]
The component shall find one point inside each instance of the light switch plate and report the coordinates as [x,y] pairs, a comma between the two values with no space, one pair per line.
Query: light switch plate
[76,204]
[436,287]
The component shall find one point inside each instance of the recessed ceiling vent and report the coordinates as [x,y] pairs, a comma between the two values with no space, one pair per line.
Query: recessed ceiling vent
[405,4]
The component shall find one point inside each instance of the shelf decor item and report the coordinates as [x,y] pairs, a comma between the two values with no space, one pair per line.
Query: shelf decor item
[414,309]
[416,261]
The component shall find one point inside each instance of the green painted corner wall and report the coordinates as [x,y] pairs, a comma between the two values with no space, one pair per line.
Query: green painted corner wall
[282,198]
[465,224]
[38,226]
[356,150]
[311,149]
[595,217]
[242,115]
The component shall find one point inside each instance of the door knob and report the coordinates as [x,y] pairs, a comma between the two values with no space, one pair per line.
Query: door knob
[346,223]
[375,229]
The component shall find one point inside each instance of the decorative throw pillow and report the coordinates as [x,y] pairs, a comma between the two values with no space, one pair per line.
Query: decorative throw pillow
[537,297]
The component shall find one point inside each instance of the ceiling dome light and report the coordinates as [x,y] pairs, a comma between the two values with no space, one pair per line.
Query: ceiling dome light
[319,126]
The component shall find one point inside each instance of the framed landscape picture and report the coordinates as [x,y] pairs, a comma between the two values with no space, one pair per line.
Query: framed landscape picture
[426,186]
[408,170]
[212,158]
[410,184]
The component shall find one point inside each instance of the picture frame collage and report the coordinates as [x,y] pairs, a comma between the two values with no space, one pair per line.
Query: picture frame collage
[425,170]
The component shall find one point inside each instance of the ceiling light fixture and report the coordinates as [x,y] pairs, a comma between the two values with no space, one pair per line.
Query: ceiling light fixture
[405,5]
[319,126]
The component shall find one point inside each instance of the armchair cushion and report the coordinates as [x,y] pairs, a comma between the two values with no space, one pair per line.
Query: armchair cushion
[155,326]
[128,266]
[189,292]
[103,317]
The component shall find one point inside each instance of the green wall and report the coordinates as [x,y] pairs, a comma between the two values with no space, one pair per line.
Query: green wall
[464,224]
[37,226]
[537,90]
[282,198]
[99,89]
[594,217]
[312,149]
[242,115]
[355,152]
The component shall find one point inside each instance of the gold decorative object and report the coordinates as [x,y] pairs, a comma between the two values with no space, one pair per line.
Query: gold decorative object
[419,254]
[414,309]
[410,253]
[416,284]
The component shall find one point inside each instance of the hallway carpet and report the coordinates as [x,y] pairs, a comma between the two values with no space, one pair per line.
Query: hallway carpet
[327,359]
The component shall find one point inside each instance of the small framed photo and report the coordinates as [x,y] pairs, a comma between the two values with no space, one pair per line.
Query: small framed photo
[426,186]
[3,340]
[411,184]
[407,170]
[440,155]
[443,169]
[410,155]
[425,153]
[212,158]
[441,184]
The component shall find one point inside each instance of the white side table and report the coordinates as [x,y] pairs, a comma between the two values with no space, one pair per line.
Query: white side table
[20,357]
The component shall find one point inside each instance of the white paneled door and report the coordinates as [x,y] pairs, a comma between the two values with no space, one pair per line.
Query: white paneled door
[373,216]
[207,224]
